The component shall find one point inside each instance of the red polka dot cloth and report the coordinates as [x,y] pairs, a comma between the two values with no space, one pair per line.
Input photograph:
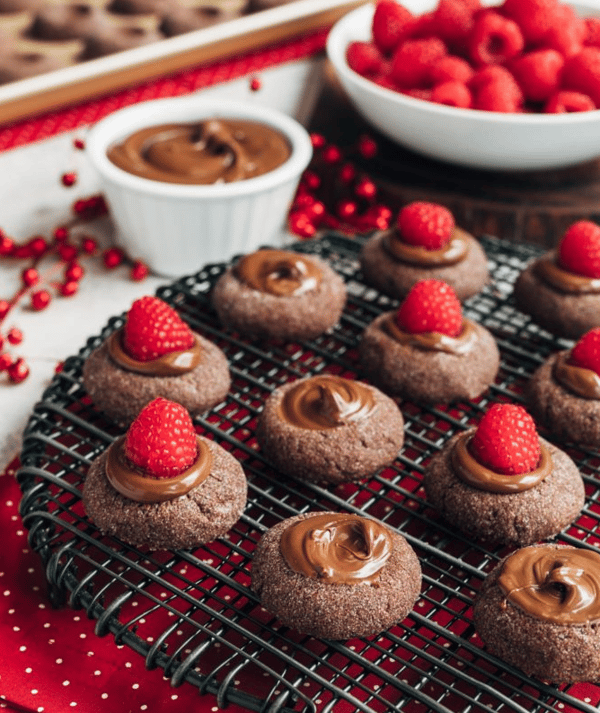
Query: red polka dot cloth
[51,661]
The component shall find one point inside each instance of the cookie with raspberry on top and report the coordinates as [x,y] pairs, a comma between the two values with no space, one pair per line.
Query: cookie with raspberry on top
[564,392]
[500,482]
[560,290]
[427,351]
[155,353]
[162,486]
[425,243]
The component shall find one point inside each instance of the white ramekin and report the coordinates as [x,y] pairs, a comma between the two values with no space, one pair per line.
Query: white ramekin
[175,228]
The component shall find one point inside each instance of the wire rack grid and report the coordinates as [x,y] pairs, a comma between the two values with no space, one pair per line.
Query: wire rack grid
[193,614]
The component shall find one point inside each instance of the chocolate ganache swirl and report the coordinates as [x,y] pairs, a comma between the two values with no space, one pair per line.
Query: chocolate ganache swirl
[577,379]
[278,272]
[434,341]
[213,151]
[134,484]
[326,402]
[170,364]
[337,549]
[482,478]
[557,584]
[454,251]
[549,270]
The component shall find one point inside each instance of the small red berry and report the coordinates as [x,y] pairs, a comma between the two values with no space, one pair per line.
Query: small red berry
[311,180]
[89,246]
[255,84]
[347,209]
[30,276]
[301,225]
[79,144]
[5,361]
[317,140]
[18,371]
[113,257]
[367,147]
[74,271]
[37,246]
[364,59]
[7,245]
[40,299]
[391,24]
[431,306]
[61,234]
[14,336]
[495,39]
[69,288]
[365,188]
[347,173]
[566,102]
[68,179]
[586,353]
[4,308]
[332,154]
[67,252]
[139,271]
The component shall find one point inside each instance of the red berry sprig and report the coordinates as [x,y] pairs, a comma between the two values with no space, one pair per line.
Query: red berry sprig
[62,253]
[336,194]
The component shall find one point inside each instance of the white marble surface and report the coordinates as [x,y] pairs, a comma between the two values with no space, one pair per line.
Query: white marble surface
[33,200]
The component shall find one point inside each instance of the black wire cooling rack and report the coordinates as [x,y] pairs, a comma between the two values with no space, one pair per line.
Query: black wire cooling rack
[192,613]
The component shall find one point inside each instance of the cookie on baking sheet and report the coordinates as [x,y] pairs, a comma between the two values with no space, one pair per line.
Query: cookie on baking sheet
[330,429]
[500,482]
[560,291]
[424,244]
[335,576]
[155,354]
[564,392]
[539,610]
[279,294]
[163,487]
[426,351]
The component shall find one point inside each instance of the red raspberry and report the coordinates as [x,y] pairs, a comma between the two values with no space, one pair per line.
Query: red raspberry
[451,69]
[582,73]
[413,61]
[565,102]
[586,353]
[391,25]
[430,306]
[162,441]
[428,225]
[534,17]
[579,249]
[453,21]
[423,27]
[153,328]
[506,440]
[452,94]
[364,58]
[494,39]
[592,31]
[567,33]
[423,94]
[538,73]
[495,89]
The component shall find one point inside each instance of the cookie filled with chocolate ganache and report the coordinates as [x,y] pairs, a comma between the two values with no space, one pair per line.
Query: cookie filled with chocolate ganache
[425,243]
[560,290]
[539,610]
[336,576]
[564,392]
[202,153]
[279,294]
[155,353]
[162,486]
[500,482]
[330,429]
[426,351]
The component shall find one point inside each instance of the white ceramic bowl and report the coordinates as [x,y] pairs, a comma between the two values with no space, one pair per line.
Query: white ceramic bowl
[176,228]
[467,137]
